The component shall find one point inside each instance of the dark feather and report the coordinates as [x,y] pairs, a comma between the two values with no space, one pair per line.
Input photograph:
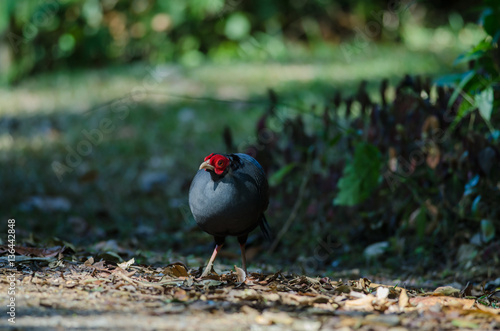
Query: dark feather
[265,228]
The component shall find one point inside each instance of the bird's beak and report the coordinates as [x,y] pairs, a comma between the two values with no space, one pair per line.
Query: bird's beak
[207,166]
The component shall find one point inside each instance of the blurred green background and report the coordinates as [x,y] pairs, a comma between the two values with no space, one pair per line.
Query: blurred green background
[108,107]
[41,36]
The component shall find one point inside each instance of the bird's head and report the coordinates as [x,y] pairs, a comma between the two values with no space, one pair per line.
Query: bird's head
[216,163]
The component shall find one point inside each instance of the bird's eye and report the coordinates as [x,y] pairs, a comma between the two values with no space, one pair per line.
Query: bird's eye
[220,163]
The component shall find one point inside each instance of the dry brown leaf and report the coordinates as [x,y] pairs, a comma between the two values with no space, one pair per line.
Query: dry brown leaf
[446,291]
[126,265]
[138,282]
[403,299]
[343,289]
[89,262]
[494,311]
[176,269]
[289,302]
[188,282]
[469,304]
[326,306]
[426,302]
[300,298]
[34,251]
[365,303]
[314,281]
[240,274]
[210,283]
[181,295]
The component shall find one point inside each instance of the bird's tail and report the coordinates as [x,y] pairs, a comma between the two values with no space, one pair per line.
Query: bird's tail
[264,227]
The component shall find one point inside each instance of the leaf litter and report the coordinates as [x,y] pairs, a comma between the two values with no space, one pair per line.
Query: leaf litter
[102,294]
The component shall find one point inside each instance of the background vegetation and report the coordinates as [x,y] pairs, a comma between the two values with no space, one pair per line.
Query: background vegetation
[379,131]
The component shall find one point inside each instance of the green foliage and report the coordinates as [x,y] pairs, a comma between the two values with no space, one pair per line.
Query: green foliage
[436,148]
[47,35]
[477,86]
[237,26]
[278,176]
[487,230]
[360,177]
[484,102]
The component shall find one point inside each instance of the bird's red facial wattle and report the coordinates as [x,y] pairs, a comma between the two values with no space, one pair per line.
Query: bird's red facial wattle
[216,163]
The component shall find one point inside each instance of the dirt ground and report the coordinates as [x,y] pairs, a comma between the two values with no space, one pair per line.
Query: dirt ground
[95,295]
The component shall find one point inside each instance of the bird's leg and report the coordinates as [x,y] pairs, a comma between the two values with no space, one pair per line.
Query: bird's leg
[243,240]
[243,257]
[211,262]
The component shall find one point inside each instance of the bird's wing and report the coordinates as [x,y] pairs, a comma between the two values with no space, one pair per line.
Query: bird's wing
[255,170]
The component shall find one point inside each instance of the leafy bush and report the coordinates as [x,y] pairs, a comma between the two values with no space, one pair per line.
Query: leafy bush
[418,172]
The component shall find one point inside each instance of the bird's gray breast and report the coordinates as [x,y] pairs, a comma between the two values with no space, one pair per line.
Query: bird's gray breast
[230,205]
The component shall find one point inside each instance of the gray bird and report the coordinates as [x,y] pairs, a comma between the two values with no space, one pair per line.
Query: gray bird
[228,197]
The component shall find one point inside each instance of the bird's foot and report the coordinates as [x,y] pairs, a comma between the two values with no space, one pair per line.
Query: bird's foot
[208,270]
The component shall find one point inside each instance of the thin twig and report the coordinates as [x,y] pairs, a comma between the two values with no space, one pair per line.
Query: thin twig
[295,209]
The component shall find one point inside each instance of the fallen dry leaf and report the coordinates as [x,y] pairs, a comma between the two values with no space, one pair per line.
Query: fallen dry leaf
[363,304]
[89,261]
[494,311]
[403,299]
[181,295]
[241,275]
[127,264]
[447,291]
[34,251]
[176,270]
[285,301]
[422,302]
